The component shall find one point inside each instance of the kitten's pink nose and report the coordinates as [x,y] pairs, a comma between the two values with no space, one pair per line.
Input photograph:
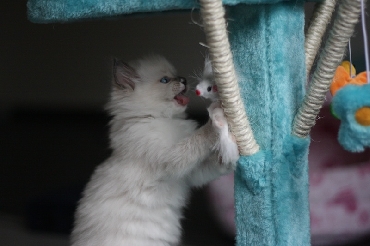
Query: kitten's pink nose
[197,92]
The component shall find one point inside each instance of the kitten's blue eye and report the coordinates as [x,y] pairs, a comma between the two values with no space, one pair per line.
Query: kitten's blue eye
[209,88]
[165,80]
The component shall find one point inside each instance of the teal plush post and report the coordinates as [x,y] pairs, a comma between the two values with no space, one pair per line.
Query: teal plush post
[271,191]
[267,41]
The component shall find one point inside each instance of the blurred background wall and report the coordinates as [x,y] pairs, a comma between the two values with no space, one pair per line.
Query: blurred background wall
[69,65]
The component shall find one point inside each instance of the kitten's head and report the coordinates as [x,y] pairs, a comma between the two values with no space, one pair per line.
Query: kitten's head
[206,86]
[147,86]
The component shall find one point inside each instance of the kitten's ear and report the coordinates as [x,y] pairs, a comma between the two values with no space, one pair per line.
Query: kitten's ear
[124,75]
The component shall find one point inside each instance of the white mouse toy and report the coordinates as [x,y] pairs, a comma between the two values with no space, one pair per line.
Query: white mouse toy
[206,86]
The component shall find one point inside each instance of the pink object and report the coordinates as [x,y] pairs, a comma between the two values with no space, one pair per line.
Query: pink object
[221,196]
[339,189]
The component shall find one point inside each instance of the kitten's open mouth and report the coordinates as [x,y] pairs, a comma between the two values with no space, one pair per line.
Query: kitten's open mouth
[181,99]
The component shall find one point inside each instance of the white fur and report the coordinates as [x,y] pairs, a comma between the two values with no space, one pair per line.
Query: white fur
[136,197]
[227,147]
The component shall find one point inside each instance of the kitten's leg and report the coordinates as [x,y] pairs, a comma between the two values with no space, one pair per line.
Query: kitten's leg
[209,170]
[185,156]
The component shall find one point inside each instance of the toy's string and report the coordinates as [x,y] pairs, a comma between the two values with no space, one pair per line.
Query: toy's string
[366,45]
[350,57]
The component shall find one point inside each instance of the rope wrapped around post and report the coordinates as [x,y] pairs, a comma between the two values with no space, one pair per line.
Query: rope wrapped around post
[320,20]
[342,30]
[214,25]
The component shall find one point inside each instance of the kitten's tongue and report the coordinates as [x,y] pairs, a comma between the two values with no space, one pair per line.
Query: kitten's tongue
[181,99]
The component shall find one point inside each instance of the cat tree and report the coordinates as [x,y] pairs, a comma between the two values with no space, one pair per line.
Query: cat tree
[265,45]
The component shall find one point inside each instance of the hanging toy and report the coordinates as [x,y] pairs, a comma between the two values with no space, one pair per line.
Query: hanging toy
[351,104]
[346,74]
[351,100]
[207,88]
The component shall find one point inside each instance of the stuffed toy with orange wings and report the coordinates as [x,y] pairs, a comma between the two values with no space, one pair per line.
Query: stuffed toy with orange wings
[351,104]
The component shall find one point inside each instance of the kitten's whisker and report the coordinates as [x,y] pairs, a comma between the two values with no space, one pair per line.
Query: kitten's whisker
[204,45]
[192,19]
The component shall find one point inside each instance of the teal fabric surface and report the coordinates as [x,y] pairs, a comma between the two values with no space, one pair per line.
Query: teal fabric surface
[271,197]
[352,136]
[49,11]
[271,187]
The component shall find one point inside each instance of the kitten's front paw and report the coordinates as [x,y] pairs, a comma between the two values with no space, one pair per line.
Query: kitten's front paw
[214,105]
[218,118]
[227,147]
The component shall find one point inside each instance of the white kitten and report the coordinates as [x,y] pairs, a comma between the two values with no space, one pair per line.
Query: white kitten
[207,88]
[136,197]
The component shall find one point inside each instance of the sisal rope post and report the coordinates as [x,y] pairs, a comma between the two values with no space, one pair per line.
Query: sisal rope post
[320,20]
[214,25]
[342,30]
